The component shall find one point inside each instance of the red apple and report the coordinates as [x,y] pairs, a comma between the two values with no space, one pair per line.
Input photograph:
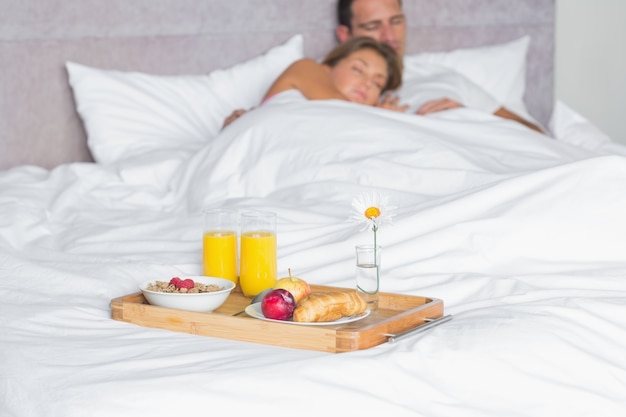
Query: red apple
[298,287]
[278,304]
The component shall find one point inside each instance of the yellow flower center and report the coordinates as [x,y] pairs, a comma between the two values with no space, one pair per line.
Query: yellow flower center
[372,212]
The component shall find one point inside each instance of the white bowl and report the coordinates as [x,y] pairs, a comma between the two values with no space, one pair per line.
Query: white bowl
[202,302]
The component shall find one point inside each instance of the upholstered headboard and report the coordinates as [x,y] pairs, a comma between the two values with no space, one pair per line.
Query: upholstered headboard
[38,121]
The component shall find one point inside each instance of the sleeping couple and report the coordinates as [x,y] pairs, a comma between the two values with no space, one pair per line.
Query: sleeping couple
[365,65]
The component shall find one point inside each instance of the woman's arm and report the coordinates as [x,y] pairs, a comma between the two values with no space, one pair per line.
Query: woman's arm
[233,116]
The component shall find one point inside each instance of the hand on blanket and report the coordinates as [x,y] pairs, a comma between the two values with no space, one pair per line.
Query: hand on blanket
[447,104]
[390,102]
[233,116]
[438,105]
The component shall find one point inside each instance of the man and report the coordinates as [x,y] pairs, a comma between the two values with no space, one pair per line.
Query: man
[385,21]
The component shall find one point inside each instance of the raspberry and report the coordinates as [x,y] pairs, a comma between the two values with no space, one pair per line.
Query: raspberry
[188,283]
[176,282]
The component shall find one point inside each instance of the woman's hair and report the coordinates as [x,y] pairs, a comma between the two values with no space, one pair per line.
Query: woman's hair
[394,65]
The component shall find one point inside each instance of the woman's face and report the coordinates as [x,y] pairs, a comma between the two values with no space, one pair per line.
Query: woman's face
[360,76]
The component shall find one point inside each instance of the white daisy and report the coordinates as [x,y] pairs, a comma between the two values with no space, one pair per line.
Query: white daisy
[372,209]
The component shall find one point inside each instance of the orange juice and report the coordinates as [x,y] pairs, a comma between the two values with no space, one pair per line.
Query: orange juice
[257,269]
[219,254]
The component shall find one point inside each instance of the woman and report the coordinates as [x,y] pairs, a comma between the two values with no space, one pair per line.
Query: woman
[359,70]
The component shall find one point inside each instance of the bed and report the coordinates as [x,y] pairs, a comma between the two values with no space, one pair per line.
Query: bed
[112,148]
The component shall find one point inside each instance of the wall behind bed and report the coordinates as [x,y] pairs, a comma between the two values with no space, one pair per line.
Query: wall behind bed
[38,121]
[591,61]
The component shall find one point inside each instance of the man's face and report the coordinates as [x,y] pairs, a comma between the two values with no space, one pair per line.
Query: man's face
[382,20]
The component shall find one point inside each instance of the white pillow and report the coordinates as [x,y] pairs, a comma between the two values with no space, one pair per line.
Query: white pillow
[498,69]
[129,114]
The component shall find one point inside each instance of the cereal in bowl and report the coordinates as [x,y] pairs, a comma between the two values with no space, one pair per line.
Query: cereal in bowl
[177,285]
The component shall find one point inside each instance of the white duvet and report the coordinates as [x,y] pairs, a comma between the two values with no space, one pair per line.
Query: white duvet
[522,236]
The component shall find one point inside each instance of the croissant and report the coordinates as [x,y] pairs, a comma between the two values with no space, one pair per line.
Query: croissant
[329,306]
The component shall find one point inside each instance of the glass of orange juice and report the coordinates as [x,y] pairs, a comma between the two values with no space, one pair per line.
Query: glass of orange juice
[257,267]
[219,244]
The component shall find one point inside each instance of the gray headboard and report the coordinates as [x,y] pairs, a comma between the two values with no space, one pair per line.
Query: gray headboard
[38,122]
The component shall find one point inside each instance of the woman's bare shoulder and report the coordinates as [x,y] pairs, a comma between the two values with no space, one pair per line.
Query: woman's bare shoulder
[305,64]
[309,77]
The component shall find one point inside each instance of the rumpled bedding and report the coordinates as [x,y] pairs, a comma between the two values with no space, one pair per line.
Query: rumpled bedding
[522,237]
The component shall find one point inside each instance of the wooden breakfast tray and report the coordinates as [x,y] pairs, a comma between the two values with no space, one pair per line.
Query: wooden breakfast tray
[397,316]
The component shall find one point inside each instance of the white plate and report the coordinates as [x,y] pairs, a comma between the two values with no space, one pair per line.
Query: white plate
[254,310]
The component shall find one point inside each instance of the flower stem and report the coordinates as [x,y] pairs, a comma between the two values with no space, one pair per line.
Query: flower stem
[376,265]
[375,229]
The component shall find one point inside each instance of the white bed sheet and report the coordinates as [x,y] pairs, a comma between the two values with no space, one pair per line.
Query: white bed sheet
[521,235]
